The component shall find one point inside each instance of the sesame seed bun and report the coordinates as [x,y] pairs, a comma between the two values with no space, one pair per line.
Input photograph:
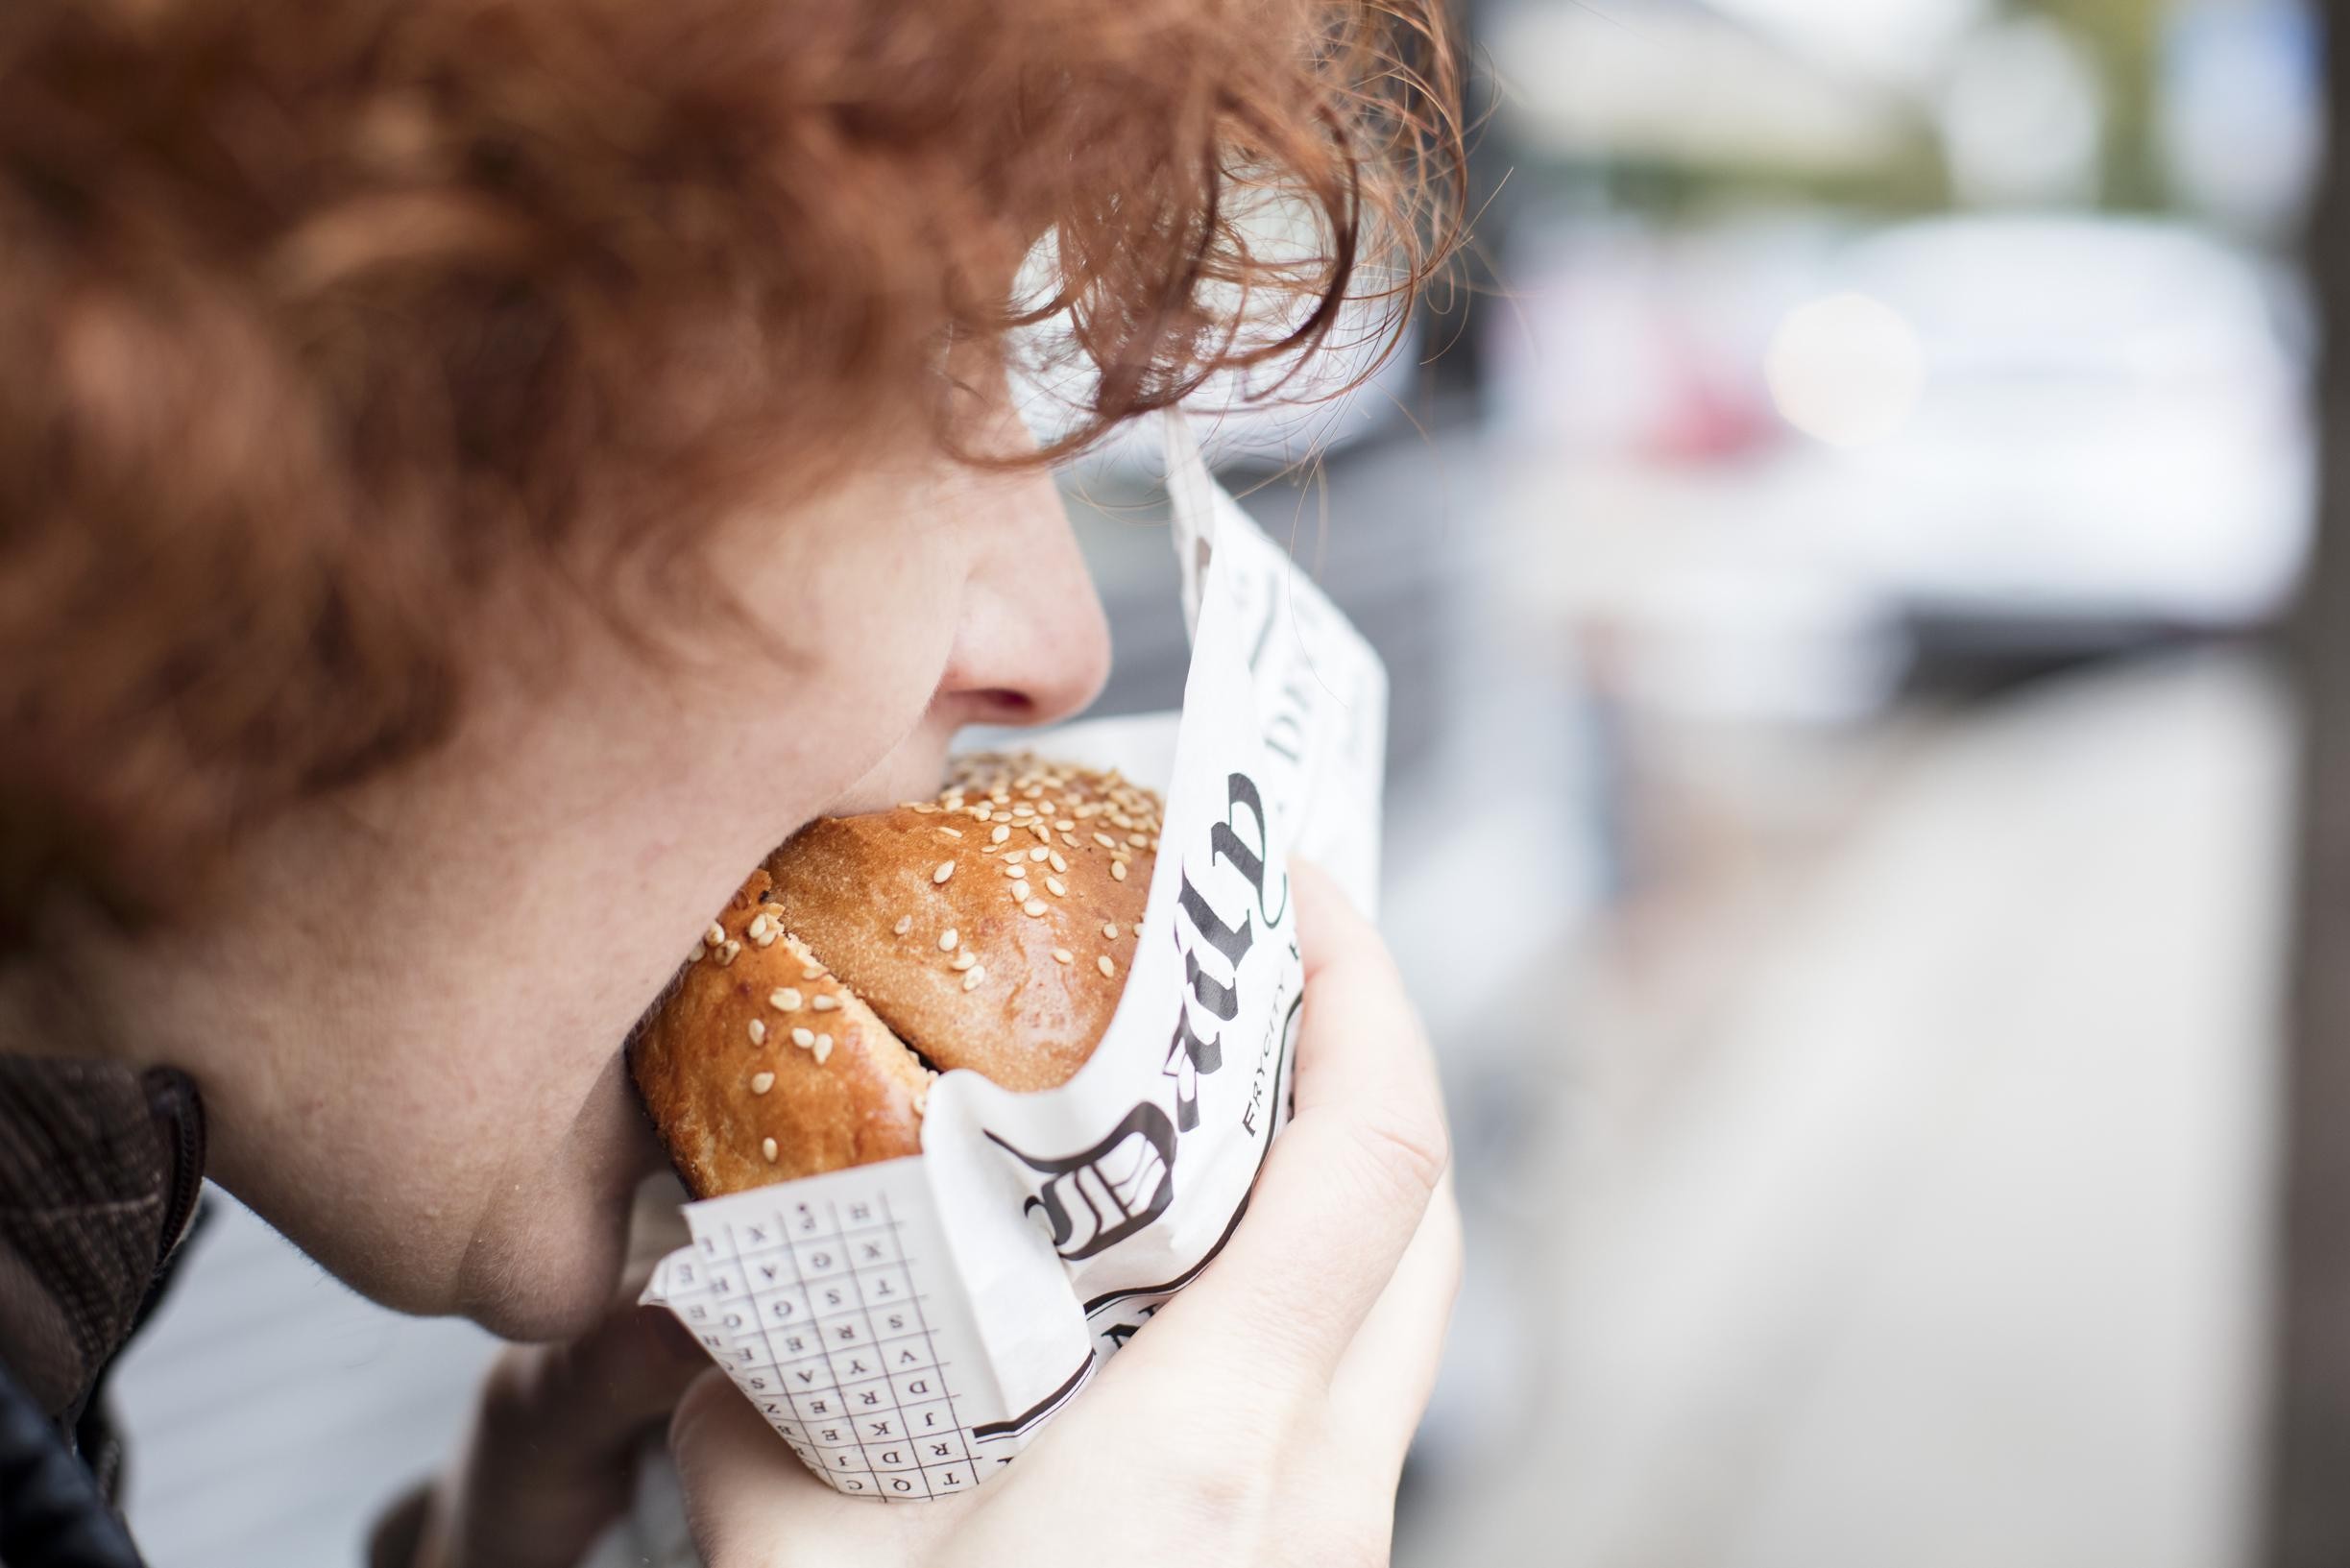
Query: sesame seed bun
[987,928]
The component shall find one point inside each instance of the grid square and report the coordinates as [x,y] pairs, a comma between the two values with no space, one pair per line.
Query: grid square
[944,1479]
[830,1297]
[914,1388]
[821,1258]
[931,1419]
[873,1248]
[884,1285]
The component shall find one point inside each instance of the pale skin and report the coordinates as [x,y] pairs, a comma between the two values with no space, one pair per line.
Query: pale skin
[406,1008]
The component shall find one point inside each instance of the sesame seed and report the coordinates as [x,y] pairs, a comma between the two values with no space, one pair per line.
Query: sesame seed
[759,1031]
[767,1146]
[922,1100]
[758,928]
[923,808]
[1039,856]
[1041,831]
[728,953]
[1023,810]
[1118,870]
[1106,841]
[812,972]
[1062,955]
[1057,887]
[1033,907]
[700,951]
[1110,929]
[1059,864]
[715,936]
[769,940]
[784,1000]
[1138,840]
[964,959]
[946,869]
[803,1038]
[1107,968]
[761,1082]
[972,980]
[1000,834]
[1016,872]
[905,923]
[824,1047]
[952,833]
[980,813]
[824,1001]
[1065,825]
[1070,839]
[947,938]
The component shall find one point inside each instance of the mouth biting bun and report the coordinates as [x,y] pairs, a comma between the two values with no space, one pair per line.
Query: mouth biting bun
[989,929]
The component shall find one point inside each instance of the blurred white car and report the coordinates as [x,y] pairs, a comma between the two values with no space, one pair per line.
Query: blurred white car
[2092,422]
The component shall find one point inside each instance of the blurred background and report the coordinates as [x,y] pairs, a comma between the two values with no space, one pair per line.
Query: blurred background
[1841,784]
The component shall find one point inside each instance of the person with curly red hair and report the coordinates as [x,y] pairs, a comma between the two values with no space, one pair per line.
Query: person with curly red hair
[476,473]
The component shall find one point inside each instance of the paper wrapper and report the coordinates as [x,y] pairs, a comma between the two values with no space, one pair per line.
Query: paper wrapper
[909,1327]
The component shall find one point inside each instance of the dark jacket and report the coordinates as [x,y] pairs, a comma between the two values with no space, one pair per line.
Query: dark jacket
[100,1168]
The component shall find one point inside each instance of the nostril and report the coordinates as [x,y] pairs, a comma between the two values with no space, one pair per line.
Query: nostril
[1006,705]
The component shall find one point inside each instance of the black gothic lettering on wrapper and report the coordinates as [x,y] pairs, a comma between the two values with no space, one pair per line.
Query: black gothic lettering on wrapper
[1096,1198]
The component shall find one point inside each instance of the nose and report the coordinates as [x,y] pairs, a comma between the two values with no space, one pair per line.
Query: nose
[1031,644]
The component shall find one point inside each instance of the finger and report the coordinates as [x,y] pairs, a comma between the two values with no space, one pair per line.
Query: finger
[597,1392]
[1345,1187]
[552,1451]
[1384,1380]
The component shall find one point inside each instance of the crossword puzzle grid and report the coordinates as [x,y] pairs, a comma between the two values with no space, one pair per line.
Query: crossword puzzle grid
[813,1316]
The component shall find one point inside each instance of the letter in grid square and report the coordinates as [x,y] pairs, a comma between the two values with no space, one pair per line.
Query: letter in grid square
[862,1399]
[883,1286]
[846,1332]
[821,1258]
[897,1456]
[818,1407]
[782,1309]
[873,1248]
[856,1365]
[828,1297]
[947,1478]
[769,1271]
[931,1418]
[916,1387]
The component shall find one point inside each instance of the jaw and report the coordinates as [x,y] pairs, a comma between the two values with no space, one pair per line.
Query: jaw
[547,1254]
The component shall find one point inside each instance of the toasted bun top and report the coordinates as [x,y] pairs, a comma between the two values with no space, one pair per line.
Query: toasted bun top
[988,929]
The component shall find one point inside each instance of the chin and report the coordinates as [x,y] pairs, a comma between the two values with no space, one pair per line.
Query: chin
[551,1275]
[555,1257]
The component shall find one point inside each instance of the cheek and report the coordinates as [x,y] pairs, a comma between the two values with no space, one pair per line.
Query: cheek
[873,642]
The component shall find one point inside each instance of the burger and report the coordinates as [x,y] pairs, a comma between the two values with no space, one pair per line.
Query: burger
[990,928]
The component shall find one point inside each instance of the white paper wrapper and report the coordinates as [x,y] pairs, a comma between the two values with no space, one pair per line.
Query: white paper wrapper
[909,1327]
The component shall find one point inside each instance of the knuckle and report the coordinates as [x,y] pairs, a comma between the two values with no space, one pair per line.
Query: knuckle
[1406,1149]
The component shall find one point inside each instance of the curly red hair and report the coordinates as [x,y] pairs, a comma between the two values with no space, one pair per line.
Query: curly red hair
[318,319]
